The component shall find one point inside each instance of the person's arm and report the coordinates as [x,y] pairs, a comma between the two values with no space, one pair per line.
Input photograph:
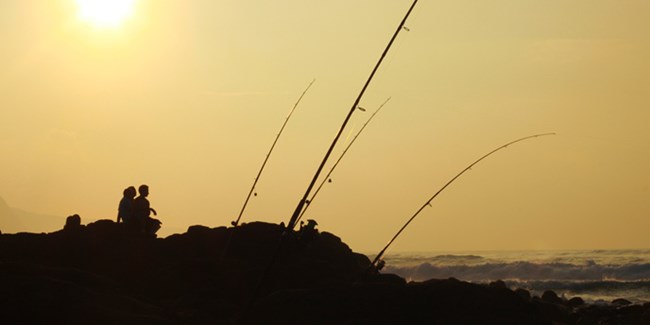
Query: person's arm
[154,211]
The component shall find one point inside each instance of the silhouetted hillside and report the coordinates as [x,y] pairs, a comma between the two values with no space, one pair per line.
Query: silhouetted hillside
[103,274]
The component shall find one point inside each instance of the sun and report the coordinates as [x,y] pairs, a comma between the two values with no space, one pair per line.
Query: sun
[105,13]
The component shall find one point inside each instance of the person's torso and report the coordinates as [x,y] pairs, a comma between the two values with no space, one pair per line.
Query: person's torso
[141,207]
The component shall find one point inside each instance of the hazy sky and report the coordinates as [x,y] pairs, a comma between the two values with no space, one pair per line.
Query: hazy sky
[187,97]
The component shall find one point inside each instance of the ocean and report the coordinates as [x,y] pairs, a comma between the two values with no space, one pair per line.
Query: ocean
[597,276]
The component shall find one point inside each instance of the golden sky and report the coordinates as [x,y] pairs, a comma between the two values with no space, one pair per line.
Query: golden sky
[187,97]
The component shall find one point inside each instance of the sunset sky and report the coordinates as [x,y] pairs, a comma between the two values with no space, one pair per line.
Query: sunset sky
[187,97]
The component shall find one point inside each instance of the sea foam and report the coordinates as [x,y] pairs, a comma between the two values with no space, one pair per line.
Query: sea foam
[595,275]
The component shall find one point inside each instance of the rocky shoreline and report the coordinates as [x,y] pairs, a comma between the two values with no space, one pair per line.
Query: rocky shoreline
[102,274]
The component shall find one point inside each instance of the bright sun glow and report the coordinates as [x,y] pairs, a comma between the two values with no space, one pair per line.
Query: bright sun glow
[105,13]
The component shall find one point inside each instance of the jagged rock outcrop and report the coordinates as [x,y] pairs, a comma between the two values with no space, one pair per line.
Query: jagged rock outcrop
[102,273]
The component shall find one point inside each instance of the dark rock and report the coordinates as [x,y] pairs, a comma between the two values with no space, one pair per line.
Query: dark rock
[72,223]
[430,302]
[523,293]
[551,297]
[386,278]
[51,295]
[630,314]
[621,302]
[587,320]
[612,314]
[556,312]
[103,274]
[198,230]
[498,284]
[576,302]
[631,310]
[102,227]
[203,276]
[645,317]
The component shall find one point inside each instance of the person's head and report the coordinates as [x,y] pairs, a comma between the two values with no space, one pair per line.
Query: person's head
[143,190]
[129,192]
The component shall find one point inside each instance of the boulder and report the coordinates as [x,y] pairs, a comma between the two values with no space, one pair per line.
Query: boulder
[198,230]
[551,297]
[498,284]
[621,302]
[523,293]
[72,223]
[576,302]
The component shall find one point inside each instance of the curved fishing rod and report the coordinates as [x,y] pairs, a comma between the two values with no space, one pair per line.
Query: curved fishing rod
[236,222]
[303,201]
[327,177]
[373,265]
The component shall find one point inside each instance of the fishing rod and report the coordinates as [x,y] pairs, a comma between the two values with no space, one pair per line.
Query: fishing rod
[355,105]
[376,265]
[259,173]
[327,177]
[292,222]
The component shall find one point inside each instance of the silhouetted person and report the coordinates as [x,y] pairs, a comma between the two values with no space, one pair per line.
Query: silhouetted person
[125,210]
[142,211]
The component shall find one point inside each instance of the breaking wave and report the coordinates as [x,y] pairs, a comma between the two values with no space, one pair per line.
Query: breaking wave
[594,275]
[591,271]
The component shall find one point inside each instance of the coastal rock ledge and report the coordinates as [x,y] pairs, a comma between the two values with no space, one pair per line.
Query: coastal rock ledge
[101,273]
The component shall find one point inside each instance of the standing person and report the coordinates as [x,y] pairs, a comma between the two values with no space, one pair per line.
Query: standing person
[125,209]
[142,211]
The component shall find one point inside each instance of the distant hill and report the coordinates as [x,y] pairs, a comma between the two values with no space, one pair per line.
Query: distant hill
[14,220]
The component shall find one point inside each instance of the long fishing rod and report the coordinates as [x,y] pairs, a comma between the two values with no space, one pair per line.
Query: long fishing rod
[292,222]
[259,173]
[373,265]
[303,201]
[327,177]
